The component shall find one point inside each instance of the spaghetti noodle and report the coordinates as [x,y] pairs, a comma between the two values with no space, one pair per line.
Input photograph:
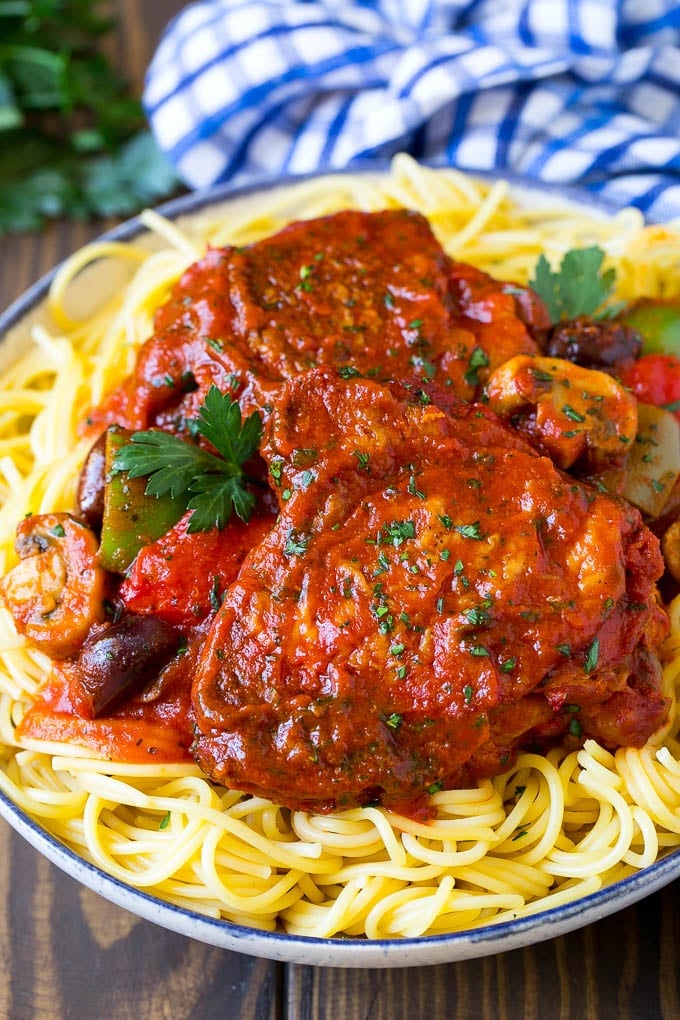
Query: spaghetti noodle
[551,830]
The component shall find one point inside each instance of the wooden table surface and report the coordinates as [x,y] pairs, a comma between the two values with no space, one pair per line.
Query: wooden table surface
[66,953]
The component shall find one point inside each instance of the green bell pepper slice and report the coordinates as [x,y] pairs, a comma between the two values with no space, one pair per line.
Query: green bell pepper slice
[132,519]
[658,322]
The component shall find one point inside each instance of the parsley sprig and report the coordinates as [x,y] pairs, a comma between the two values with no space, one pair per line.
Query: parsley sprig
[214,486]
[579,287]
[72,135]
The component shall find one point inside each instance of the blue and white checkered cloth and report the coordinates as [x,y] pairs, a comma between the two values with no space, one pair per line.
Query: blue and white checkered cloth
[577,91]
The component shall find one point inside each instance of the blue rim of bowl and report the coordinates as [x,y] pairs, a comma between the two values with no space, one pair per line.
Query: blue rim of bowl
[338,950]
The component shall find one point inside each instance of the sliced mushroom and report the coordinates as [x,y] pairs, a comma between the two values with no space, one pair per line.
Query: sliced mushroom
[653,468]
[571,413]
[670,546]
[56,592]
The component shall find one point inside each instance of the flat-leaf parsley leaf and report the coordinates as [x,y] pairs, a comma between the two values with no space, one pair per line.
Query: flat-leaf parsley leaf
[577,288]
[214,485]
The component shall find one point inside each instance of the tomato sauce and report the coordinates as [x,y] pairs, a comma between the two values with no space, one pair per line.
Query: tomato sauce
[181,578]
[370,292]
[432,594]
[139,732]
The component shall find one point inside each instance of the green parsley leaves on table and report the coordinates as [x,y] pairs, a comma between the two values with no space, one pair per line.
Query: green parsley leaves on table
[73,140]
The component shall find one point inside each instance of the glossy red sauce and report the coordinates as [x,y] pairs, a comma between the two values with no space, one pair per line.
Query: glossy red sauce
[181,578]
[139,732]
[433,594]
[372,291]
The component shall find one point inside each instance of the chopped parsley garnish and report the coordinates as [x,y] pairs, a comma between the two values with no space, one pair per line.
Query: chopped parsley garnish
[478,359]
[539,375]
[573,415]
[394,721]
[477,616]
[413,488]
[398,532]
[592,656]
[469,530]
[575,728]
[428,368]
[383,564]
[213,485]
[296,543]
[215,600]
[305,282]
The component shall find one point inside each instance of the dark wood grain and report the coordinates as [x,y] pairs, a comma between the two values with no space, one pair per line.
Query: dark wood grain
[73,955]
[625,966]
[66,953]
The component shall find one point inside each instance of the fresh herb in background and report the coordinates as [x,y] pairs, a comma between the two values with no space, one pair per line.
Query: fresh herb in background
[72,138]
[579,287]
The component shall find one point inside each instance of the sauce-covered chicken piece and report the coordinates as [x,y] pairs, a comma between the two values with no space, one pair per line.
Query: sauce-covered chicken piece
[370,291]
[433,595]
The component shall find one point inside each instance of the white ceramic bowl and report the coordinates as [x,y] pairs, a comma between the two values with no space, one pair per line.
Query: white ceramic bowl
[340,951]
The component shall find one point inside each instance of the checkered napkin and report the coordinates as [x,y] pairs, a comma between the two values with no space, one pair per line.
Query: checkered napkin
[578,91]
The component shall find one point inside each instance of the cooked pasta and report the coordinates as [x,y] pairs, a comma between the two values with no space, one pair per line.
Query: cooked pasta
[553,829]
